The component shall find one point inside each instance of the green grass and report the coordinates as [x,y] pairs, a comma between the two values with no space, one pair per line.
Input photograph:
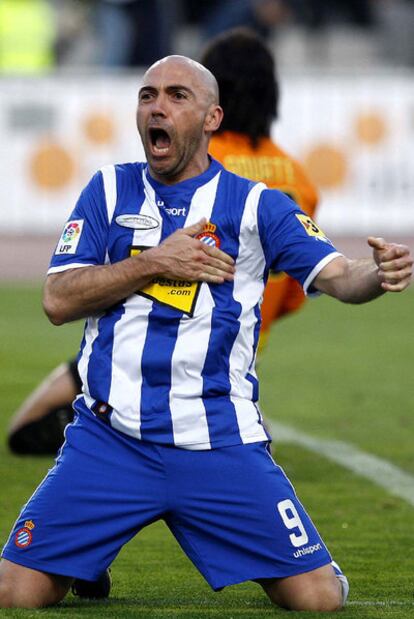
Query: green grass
[332,371]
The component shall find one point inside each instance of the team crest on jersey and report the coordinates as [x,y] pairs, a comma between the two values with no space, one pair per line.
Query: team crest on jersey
[178,294]
[208,235]
[23,537]
[311,228]
[70,238]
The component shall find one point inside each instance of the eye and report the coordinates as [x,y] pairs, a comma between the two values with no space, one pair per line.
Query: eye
[179,95]
[144,96]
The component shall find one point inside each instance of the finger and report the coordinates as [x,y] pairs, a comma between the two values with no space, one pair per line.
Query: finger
[218,272]
[195,228]
[214,252]
[395,251]
[376,242]
[399,287]
[211,279]
[219,264]
[395,265]
[219,267]
[393,277]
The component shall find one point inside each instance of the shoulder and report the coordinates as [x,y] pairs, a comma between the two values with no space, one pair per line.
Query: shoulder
[271,198]
[117,176]
[123,170]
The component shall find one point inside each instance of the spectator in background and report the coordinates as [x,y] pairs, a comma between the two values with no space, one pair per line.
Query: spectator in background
[27,36]
[260,15]
[396,22]
[133,32]
[318,14]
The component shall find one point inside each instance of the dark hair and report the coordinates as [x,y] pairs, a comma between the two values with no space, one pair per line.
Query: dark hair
[245,71]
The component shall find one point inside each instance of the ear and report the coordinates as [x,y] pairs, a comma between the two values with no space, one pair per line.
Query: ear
[213,119]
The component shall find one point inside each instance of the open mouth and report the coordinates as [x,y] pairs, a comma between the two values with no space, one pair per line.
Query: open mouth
[160,141]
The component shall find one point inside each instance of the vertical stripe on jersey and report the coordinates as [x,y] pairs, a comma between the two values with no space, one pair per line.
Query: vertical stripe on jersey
[156,423]
[102,353]
[252,376]
[130,335]
[221,414]
[188,413]
[161,332]
[92,324]
[109,182]
[91,333]
[248,291]
[100,356]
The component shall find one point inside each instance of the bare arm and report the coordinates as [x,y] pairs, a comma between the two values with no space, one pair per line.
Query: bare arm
[359,281]
[78,293]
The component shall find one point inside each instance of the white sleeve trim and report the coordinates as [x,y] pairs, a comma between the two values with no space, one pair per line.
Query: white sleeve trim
[67,267]
[315,271]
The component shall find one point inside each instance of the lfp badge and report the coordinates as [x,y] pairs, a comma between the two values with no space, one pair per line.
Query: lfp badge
[70,238]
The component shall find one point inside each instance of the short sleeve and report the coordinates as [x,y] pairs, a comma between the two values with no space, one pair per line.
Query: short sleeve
[291,240]
[83,241]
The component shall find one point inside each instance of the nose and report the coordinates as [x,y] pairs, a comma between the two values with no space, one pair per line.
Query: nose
[159,106]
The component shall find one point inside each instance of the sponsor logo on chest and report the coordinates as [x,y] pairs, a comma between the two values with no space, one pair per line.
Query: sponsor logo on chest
[137,222]
[178,294]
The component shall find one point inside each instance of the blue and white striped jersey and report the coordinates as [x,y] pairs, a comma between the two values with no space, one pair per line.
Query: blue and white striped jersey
[175,362]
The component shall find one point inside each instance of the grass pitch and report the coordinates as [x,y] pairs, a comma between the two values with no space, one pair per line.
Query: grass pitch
[332,371]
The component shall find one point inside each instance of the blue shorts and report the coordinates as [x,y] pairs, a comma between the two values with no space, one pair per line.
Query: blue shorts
[232,510]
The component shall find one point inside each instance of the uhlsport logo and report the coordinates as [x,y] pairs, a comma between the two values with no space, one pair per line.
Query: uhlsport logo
[208,237]
[308,550]
[23,537]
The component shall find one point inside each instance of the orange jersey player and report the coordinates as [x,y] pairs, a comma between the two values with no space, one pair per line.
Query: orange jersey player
[237,59]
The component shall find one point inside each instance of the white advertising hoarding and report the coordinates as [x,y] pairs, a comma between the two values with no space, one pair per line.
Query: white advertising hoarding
[355,135]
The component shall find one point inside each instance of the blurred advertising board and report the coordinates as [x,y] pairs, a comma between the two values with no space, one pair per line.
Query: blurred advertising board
[354,134]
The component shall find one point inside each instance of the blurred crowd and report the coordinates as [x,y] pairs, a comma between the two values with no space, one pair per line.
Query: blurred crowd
[37,35]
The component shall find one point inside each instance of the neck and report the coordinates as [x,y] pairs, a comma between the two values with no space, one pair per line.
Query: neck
[197,167]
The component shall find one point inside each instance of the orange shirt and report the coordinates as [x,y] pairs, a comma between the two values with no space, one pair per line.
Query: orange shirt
[269,164]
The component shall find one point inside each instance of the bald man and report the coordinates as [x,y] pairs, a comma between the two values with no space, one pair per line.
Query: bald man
[167,263]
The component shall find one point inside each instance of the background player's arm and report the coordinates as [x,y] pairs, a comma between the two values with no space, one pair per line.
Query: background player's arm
[78,293]
[57,389]
[293,299]
[358,281]
[37,426]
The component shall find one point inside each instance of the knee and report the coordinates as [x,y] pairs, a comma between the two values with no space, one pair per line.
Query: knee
[316,600]
[16,597]
[25,588]
[6,595]
[318,591]
[325,599]
[12,597]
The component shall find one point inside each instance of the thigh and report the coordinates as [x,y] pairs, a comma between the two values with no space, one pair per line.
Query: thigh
[103,489]
[238,517]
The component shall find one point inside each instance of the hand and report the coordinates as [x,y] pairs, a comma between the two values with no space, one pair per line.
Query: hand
[182,256]
[395,264]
